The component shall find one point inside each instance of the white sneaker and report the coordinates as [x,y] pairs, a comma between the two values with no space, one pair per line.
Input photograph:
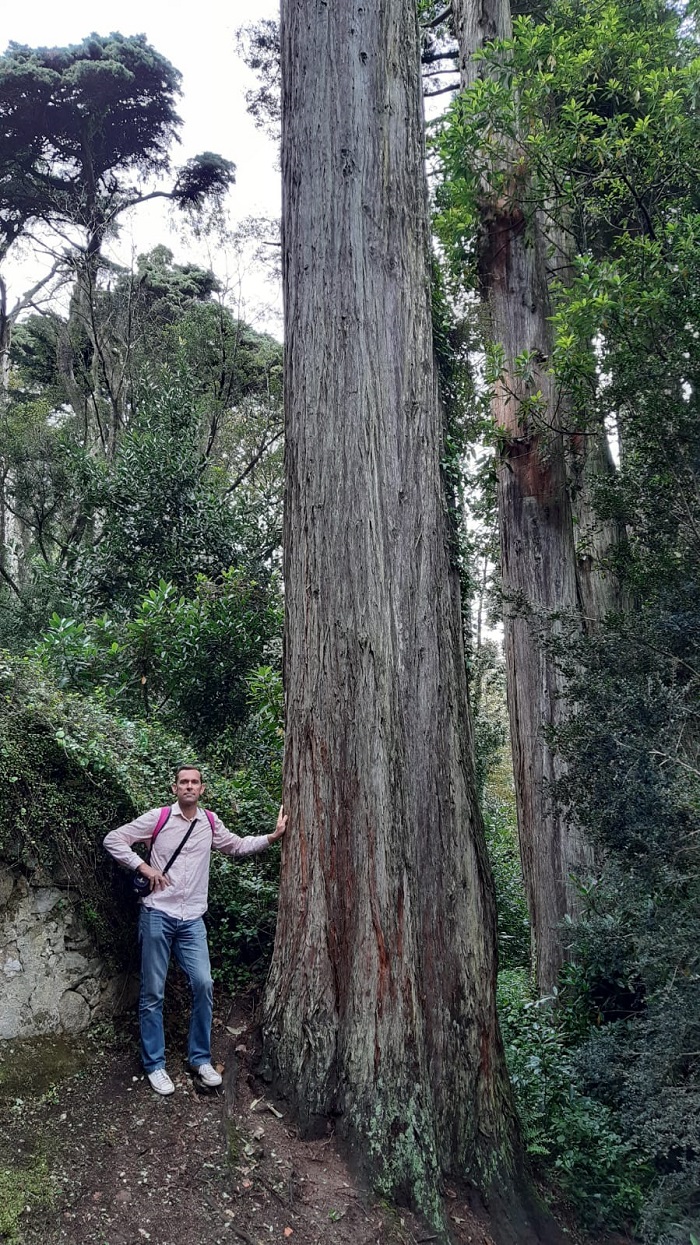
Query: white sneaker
[160,1081]
[208,1075]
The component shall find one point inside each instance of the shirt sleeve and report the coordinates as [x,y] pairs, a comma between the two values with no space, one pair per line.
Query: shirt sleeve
[118,842]
[233,845]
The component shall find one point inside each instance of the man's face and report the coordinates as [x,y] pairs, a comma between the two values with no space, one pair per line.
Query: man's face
[188,788]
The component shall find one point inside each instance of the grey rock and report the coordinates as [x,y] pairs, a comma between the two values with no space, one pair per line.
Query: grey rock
[73,1012]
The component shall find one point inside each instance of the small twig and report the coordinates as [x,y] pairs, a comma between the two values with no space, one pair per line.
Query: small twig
[321,1146]
[676,761]
[243,1234]
[271,1189]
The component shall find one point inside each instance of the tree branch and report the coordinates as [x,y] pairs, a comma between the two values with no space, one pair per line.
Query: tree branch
[442,91]
[429,58]
[262,448]
[26,299]
[438,19]
[10,581]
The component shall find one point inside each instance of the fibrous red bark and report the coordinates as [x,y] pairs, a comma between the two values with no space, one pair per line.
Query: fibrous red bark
[380,1007]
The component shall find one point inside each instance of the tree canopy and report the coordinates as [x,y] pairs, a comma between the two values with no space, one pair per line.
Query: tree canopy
[82,126]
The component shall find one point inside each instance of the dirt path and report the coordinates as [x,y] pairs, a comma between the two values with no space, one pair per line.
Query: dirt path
[89,1155]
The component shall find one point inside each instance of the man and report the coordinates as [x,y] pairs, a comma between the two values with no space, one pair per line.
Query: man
[171,915]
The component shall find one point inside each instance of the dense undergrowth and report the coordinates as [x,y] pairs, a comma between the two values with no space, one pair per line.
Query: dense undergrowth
[605,1070]
[576,1144]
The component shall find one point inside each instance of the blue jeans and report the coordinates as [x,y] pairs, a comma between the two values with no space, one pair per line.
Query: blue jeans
[160,935]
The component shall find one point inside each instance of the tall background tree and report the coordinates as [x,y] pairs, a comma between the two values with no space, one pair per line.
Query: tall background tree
[597,105]
[84,128]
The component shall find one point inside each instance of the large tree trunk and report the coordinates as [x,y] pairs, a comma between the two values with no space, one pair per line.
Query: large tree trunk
[538,561]
[380,1005]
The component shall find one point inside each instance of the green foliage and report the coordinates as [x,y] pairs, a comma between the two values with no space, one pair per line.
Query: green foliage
[74,771]
[168,513]
[633,782]
[193,485]
[489,710]
[184,660]
[573,1140]
[243,897]
[242,917]
[259,46]
[196,653]
[502,843]
[494,779]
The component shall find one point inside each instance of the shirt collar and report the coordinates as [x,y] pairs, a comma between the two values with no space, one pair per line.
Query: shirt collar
[175,808]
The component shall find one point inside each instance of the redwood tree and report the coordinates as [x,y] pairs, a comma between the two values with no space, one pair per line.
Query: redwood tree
[538,554]
[380,1007]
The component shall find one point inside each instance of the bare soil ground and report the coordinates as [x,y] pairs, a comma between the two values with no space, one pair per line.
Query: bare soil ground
[89,1155]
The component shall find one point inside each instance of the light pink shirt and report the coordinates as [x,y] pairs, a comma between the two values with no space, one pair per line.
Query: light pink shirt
[186,897]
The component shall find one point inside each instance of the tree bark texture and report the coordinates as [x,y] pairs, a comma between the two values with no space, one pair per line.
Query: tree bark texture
[538,558]
[380,1005]
[590,464]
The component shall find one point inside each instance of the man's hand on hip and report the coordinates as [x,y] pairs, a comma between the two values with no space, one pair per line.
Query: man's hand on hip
[159,880]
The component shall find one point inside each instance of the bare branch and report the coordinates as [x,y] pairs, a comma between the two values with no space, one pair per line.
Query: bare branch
[429,58]
[26,300]
[442,90]
[262,448]
[438,20]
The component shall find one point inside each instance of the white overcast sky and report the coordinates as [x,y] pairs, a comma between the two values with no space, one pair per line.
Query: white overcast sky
[199,38]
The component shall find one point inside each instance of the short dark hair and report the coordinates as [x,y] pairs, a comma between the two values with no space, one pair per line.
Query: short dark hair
[188,765]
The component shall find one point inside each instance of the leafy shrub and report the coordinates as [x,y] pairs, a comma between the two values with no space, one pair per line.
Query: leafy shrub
[494,781]
[572,1139]
[634,974]
[242,917]
[639,1069]
[73,771]
[183,659]
[511,905]
[165,512]
[243,897]
[632,989]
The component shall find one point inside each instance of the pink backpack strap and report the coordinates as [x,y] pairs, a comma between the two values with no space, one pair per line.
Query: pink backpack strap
[163,816]
[210,819]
